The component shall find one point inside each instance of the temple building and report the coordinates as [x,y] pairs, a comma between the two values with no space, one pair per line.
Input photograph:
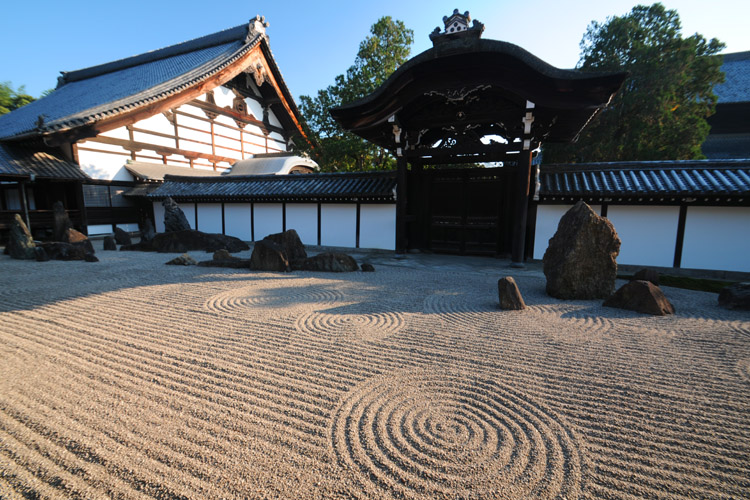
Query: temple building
[198,107]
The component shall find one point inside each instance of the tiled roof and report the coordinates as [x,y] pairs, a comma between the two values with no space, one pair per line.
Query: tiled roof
[736,87]
[726,178]
[17,161]
[156,171]
[362,186]
[88,95]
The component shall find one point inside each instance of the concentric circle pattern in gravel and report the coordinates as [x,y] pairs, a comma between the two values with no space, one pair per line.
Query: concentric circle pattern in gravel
[130,379]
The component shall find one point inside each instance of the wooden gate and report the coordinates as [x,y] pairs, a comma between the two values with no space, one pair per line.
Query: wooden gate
[461,211]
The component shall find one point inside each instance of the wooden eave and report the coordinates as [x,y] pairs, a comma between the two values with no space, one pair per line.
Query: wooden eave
[130,117]
[427,91]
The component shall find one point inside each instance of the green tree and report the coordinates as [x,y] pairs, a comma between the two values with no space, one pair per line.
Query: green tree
[11,99]
[660,112]
[379,55]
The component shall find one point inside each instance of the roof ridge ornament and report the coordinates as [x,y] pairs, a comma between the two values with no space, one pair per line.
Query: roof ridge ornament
[457,27]
[256,26]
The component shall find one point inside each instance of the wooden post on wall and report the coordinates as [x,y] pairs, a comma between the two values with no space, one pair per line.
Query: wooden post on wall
[522,191]
[401,205]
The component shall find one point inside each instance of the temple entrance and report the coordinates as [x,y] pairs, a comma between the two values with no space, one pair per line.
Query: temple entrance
[469,101]
[461,211]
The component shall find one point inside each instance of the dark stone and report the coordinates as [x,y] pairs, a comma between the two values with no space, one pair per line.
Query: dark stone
[122,237]
[73,236]
[147,230]
[61,221]
[58,250]
[290,244]
[509,295]
[174,217]
[367,268]
[641,296]
[330,262]
[182,260]
[222,258]
[20,243]
[192,240]
[110,243]
[647,274]
[141,246]
[90,257]
[580,261]
[268,256]
[735,296]
[41,255]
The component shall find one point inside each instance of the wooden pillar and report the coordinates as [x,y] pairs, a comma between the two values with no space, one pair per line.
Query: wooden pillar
[522,191]
[401,204]
[82,208]
[24,203]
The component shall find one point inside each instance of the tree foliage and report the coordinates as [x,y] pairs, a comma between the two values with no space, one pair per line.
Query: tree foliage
[660,112]
[11,99]
[380,54]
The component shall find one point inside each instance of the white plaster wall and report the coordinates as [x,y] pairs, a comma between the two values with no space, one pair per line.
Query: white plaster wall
[648,233]
[130,227]
[303,218]
[103,165]
[223,97]
[209,217]
[254,108]
[377,226]
[189,210]
[237,220]
[158,217]
[268,219]
[547,219]
[100,229]
[338,225]
[272,119]
[717,238]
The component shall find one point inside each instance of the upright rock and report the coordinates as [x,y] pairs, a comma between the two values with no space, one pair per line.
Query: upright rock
[147,230]
[735,296]
[20,243]
[174,217]
[580,261]
[290,244]
[509,295]
[110,243]
[61,221]
[641,296]
[268,256]
[122,237]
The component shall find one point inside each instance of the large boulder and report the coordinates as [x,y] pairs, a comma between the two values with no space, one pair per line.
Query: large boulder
[122,237]
[290,244]
[647,274]
[268,256]
[641,296]
[330,262]
[580,261]
[73,236]
[20,243]
[174,217]
[509,295]
[191,240]
[58,250]
[735,296]
[61,221]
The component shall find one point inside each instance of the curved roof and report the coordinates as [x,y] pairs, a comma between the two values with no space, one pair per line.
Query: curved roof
[736,86]
[489,81]
[20,161]
[270,165]
[90,95]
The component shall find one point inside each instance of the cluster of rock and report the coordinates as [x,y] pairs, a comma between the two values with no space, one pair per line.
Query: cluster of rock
[735,296]
[69,244]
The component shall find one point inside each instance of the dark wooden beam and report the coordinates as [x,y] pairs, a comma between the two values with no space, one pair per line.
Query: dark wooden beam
[401,165]
[521,208]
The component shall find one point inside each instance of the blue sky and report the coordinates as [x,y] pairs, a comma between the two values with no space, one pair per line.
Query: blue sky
[312,41]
